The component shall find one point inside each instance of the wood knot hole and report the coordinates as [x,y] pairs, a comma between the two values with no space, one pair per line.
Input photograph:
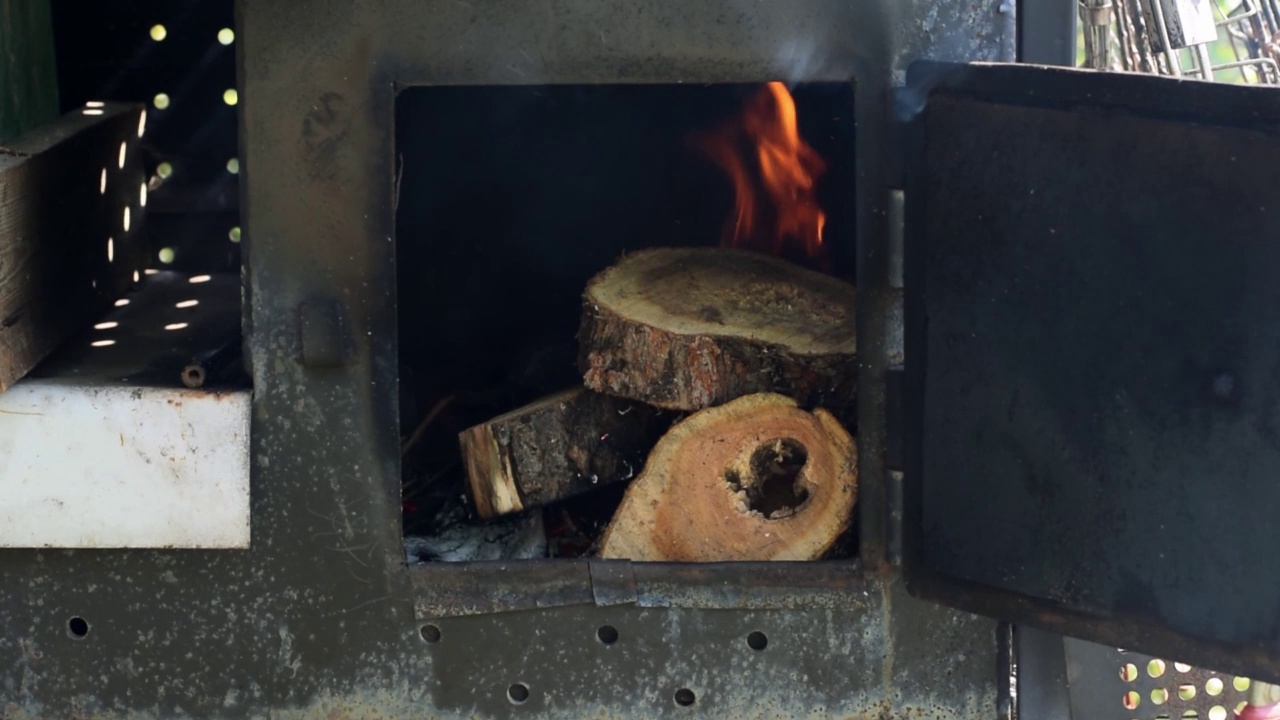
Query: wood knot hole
[773,489]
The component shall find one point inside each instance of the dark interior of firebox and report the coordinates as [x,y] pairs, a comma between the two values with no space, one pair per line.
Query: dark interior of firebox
[509,200]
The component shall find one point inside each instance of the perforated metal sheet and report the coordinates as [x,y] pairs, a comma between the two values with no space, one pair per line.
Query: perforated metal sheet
[1113,683]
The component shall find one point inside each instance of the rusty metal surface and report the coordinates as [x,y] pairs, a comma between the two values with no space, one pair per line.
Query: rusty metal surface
[1091,366]
[886,656]
[478,588]
[317,619]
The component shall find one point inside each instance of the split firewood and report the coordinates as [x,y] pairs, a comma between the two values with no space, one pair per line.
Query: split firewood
[558,447]
[689,328]
[755,479]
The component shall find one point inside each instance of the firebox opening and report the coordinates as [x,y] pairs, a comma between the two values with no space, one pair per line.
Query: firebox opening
[509,200]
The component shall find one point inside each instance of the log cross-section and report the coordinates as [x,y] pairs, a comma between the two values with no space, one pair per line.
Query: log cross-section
[689,328]
[755,479]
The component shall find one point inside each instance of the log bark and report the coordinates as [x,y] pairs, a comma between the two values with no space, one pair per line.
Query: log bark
[689,328]
[755,479]
[558,447]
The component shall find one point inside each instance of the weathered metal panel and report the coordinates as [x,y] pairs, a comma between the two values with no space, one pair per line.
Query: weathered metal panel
[114,467]
[1091,357]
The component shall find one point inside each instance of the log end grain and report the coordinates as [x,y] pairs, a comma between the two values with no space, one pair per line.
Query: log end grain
[756,479]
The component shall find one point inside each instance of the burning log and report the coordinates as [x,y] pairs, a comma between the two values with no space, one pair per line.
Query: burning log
[558,447]
[690,328]
[755,479]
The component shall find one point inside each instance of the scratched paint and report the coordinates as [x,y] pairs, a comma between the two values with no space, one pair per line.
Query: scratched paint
[89,466]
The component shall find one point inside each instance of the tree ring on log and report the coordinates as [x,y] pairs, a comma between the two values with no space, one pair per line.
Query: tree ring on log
[755,479]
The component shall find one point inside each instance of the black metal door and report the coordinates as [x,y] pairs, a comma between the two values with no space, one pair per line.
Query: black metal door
[1093,356]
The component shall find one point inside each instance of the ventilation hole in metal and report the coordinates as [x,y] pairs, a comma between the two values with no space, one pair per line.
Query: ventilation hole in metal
[142,195]
[233,166]
[137,276]
[607,634]
[197,279]
[1129,672]
[1159,696]
[1241,684]
[161,101]
[234,234]
[159,32]
[166,255]
[111,250]
[1186,692]
[1214,686]
[757,641]
[142,123]
[230,96]
[78,627]
[1182,667]
[226,36]
[102,182]
[106,326]
[176,326]
[518,693]
[1190,715]
[1217,712]
[125,221]
[1155,668]
[124,152]
[190,304]
[1240,706]
[102,343]
[684,697]
[122,302]
[430,633]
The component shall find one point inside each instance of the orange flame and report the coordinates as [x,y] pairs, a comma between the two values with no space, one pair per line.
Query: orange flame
[774,172]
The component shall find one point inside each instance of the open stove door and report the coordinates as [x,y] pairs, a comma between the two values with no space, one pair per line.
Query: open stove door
[1093,357]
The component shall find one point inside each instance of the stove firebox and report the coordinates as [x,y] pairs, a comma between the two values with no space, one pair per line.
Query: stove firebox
[509,200]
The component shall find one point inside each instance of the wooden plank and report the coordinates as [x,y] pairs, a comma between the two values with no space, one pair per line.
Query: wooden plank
[28,73]
[65,253]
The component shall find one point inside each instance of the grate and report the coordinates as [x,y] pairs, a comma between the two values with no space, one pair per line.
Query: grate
[1114,683]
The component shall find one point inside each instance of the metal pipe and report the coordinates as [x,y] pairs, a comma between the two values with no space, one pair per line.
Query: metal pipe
[1171,55]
